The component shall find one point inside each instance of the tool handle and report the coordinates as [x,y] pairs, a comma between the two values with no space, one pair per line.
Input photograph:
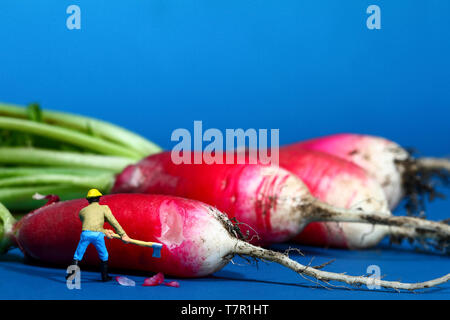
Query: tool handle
[139,242]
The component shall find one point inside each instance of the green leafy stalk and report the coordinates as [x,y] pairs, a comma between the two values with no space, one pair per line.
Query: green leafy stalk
[68,136]
[100,181]
[42,157]
[6,224]
[29,171]
[25,193]
[87,125]
[60,153]
[19,199]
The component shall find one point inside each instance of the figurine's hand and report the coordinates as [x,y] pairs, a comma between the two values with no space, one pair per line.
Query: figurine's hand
[126,238]
[109,233]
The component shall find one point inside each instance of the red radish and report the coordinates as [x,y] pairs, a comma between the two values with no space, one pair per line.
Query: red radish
[267,199]
[391,165]
[197,239]
[342,184]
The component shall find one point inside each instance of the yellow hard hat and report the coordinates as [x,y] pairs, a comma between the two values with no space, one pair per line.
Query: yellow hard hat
[93,193]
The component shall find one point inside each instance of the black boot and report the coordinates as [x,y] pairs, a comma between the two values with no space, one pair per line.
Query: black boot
[104,271]
[74,263]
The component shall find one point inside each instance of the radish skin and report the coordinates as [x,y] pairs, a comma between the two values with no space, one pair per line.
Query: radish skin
[268,200]
[190,249]
[254,194]
[388,163]
[197,239]
[342,184]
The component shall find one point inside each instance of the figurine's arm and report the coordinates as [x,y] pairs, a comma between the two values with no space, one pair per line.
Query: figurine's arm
[113,222]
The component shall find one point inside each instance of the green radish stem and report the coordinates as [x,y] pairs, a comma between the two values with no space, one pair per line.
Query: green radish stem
[6,224]
[20,199]
[64,183]
[23,193]
[67,135]
[44,157]
[98,128]
[17,185]
[102,181]
[106,149]
[28,171]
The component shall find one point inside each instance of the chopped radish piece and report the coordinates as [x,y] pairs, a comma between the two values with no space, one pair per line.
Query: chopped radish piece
[156,280]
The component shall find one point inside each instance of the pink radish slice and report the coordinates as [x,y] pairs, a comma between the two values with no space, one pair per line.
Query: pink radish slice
[156,280]
[174,284]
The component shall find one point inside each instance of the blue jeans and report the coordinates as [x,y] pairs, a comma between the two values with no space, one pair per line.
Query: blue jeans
[97,239]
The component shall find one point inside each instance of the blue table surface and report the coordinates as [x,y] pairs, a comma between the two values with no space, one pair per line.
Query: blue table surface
[240,280]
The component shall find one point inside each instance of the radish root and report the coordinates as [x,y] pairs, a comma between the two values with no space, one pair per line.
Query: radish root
[434,163]
[436,234]
[419,181]
[245,248]
[320,211]
[398,234]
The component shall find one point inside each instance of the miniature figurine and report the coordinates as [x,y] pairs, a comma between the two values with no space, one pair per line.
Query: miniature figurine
[93,218]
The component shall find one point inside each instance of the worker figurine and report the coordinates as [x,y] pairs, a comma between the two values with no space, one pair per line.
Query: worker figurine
[93,218]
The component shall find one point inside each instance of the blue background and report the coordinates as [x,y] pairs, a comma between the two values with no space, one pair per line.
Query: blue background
[308,68]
